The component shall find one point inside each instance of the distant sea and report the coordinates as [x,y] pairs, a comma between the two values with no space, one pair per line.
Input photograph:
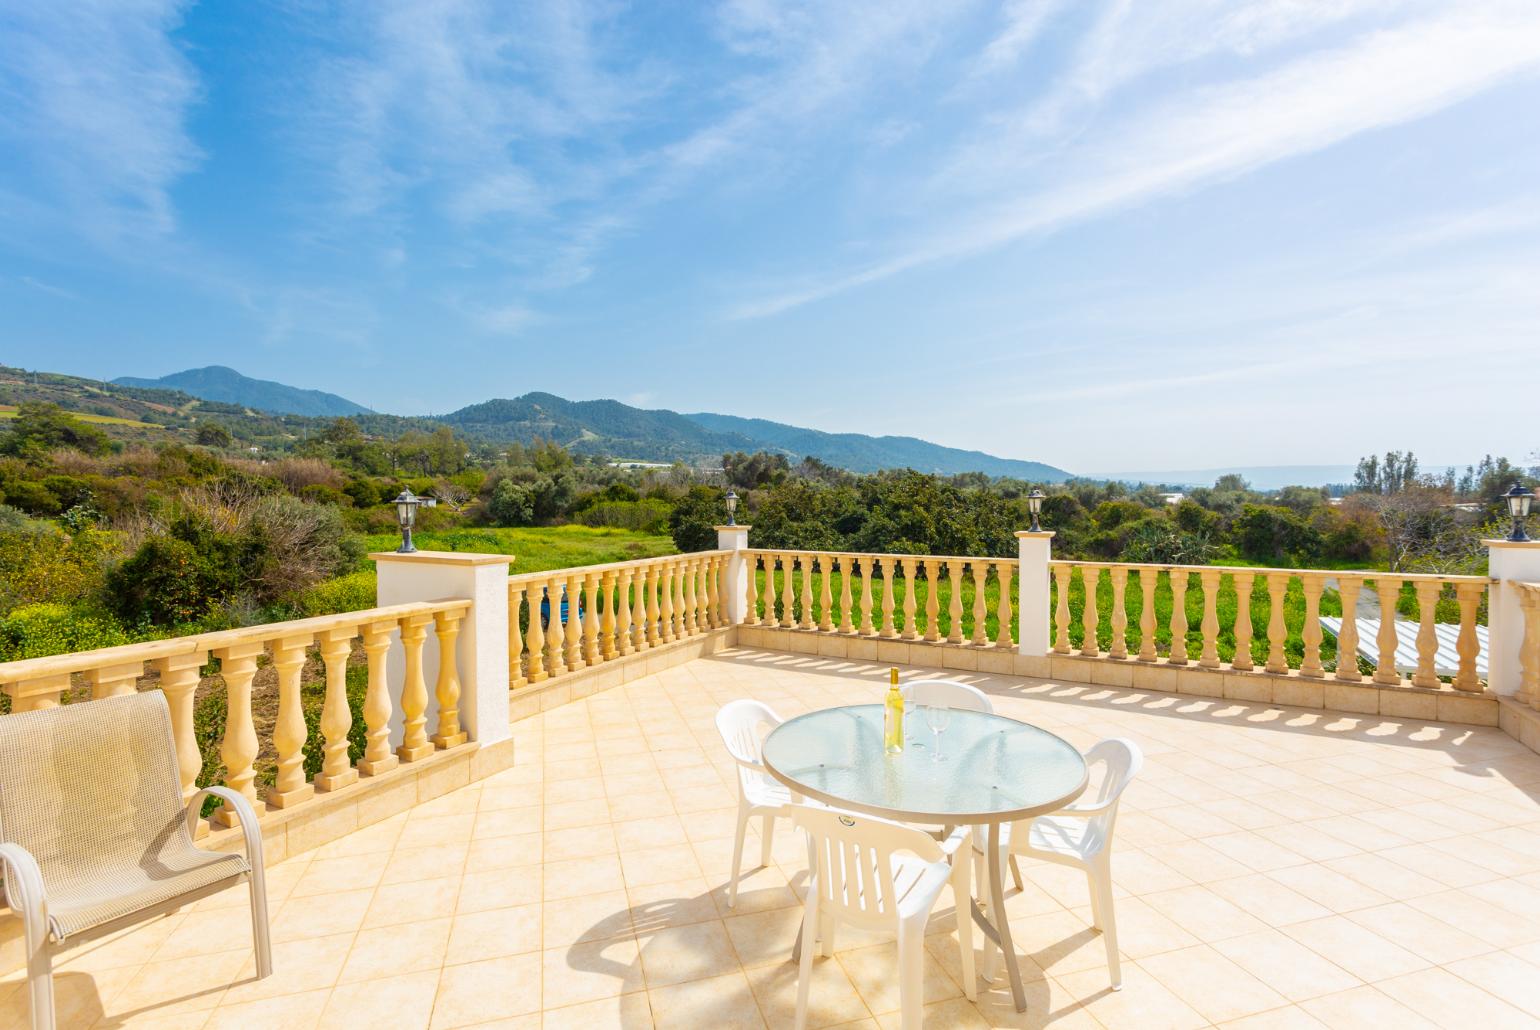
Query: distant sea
[1261,477]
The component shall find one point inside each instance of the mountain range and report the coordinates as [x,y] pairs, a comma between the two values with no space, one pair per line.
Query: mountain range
[619,430]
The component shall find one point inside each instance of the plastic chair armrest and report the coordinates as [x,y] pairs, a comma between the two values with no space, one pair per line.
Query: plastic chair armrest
[956,841]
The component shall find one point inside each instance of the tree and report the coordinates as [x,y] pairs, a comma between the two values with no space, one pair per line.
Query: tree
[212,434]
[694,519]
[39,428]
[1422,530]
[1396,472]
[452,495]
[752,471]
[1270,533]
[1301,500]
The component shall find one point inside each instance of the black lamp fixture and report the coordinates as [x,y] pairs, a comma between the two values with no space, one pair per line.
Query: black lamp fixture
[1035,505]
[1519,500]
[732,508]
[406,504]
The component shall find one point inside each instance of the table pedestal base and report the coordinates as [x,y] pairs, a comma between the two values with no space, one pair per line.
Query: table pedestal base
[999,932]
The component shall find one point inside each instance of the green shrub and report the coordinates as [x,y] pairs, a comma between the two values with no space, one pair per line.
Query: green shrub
[694,519]
[649,516]
[350,593]
[33,497]
[39,428]
[170,580]
[232,551]
[39,563]
[37,630]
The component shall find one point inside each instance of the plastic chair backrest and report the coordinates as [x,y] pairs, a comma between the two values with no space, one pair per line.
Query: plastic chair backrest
[1121,759]
[741,724]
[851,856]
[946,692]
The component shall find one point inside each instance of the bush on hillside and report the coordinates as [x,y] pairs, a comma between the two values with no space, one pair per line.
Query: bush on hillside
[37,630]
[649,516]
[694,519]
[350,593]
[39,428]
[39,563]
[223,548]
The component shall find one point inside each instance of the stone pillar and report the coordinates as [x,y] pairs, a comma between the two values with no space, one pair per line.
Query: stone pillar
[1034,550]
[1508,562]
[735,580]
[482,647]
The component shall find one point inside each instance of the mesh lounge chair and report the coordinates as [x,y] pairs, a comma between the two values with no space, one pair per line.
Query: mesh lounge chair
[94,836]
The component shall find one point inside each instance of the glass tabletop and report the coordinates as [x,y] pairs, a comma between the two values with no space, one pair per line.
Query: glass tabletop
[997,769]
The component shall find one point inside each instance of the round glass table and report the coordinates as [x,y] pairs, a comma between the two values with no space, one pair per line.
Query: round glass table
[995,771]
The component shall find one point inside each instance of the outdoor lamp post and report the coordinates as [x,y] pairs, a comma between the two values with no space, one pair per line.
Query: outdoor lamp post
[732,508]
[1035,505]
[406,504]
[1518,500]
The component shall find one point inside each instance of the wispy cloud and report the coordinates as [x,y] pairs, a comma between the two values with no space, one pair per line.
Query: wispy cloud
[1216,132]
[1023,21]
[94,101]
[50,289]
[479,112]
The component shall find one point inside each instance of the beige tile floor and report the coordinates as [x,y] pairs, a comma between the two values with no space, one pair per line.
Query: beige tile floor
[1274,868]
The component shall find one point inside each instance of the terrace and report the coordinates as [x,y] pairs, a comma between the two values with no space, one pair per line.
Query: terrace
[1308,844]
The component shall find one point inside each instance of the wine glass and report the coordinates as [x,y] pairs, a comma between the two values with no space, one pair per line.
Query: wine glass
[937,717]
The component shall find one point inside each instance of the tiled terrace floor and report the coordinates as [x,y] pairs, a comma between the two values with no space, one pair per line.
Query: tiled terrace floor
[1275,868]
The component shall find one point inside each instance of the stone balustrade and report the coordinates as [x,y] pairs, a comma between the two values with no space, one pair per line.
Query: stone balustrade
[176,667]
[566,620]
[1230,637]
[1529,650]
[909,597]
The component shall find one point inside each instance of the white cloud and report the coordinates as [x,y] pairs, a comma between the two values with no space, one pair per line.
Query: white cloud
[1024,22]
[1215,133]
[94,99]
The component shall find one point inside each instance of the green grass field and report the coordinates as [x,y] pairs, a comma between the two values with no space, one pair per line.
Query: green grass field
[536,549]
[9,411]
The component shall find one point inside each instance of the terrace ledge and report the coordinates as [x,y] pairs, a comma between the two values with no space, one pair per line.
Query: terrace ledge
[443,557]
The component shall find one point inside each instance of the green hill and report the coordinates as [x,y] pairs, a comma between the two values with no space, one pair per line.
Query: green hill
[861,453]
[595,427]
[613,428]
[226,385]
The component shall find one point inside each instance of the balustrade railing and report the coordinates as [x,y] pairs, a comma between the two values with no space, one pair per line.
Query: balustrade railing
[569,619]
[1249,618]
[1529,648]
[177,666]
[935,598]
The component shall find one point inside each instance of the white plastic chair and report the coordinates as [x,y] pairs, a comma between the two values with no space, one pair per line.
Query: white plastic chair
[883,876]
[946,692]
[1081,836]
[743,725]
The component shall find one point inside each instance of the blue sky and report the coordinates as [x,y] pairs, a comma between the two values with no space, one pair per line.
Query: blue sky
[1104,235]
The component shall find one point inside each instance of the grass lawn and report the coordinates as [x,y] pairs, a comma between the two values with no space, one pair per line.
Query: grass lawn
[536,549]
